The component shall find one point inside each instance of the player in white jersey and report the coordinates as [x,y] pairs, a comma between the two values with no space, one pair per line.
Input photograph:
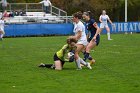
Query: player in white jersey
[103,19]
[2,24]
[80,36]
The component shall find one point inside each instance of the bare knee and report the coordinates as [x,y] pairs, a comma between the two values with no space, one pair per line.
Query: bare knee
[58,65]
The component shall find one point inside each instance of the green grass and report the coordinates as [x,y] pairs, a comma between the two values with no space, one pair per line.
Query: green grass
[117,69]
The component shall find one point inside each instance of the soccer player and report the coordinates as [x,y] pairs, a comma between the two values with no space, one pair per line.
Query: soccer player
[92,28]
[4,4]
[59,57]
[2,24]
[80,36]
[103,19]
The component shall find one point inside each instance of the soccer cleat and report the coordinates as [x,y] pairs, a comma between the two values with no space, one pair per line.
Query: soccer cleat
[81,65]
[110,39]
[53,66]
[88,66]
[92,62]
[79,69]
[42,65]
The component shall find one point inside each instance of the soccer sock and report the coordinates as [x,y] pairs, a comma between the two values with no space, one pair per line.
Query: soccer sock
[83,62]
[86,56]
[78,63]
[108,34]
[90,57]
[48,65]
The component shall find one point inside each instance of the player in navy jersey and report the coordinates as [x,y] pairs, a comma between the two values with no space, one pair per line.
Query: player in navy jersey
[93,29]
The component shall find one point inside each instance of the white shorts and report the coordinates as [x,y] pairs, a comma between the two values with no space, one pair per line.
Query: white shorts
[103,25]
[82,42]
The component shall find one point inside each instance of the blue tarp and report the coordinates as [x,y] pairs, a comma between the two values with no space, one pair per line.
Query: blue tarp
[38,29]
[62,29]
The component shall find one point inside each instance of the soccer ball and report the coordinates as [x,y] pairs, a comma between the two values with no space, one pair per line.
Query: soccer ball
[70,54]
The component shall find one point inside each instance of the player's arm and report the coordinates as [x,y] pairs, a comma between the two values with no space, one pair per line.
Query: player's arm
[50,3]
[100,19]
[110,21]
[41,2]
[95,25]
[88,34]
[78,35]
[98,31]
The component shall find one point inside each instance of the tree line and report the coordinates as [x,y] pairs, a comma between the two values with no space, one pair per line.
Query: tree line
[114,8]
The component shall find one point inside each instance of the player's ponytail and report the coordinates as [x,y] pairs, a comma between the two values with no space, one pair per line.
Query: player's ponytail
[88,13]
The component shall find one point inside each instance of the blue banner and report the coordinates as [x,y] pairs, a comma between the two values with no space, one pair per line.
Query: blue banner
[38,29]
[62,29]
[124,27]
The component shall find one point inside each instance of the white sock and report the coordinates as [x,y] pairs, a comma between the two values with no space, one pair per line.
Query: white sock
[108,35]
[83,62]
[78,63]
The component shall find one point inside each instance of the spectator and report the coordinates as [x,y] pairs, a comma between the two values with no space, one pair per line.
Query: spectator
[11,14]
[47,5]
[5,14]
[4,4]
[16,13]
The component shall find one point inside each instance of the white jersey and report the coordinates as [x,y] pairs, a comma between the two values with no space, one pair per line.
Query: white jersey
[80,27]
[46,2]
[2,25]
[104,18]
[4,3]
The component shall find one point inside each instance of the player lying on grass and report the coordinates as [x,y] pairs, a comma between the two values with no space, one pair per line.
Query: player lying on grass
[61,56]
[66,54]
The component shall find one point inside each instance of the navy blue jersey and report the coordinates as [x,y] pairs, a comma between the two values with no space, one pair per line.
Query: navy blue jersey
[89,26]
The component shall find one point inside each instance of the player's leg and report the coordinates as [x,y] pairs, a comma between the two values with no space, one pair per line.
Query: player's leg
[2,34]
[92,61]
[108,32]
[90,46]
[90,57]
[47,65]
[102,26]
[79,60]
[80,47]
[58,65]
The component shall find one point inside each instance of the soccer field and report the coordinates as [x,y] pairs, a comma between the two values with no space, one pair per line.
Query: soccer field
[117,68]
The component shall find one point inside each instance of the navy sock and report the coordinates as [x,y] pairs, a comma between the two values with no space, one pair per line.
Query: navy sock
[48,65]
[86,56]
[84,53]
[90,58]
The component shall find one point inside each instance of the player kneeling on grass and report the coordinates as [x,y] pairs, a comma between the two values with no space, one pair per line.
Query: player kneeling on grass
[59,57]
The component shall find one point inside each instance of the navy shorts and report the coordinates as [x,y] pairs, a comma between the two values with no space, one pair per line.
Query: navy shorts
[97,40]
